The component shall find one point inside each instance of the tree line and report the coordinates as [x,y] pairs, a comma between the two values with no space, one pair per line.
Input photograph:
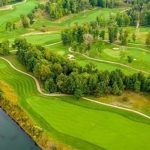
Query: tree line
[6,2]
[82,36]
[59,8]
[140,13]
[58,74]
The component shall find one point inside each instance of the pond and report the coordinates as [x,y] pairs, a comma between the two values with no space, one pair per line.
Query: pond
[12,137]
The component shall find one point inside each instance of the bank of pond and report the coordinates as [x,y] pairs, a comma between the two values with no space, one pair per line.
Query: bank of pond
[12,137]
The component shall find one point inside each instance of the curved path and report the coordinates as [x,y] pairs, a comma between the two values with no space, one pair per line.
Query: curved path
[36,81]
[87,99]
[109,62]
[118,107]
[142,49]
[10,7]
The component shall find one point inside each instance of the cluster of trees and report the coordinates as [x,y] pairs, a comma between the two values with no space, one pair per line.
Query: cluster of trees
[61,75]
[10,26]
[6,2]
[27,20]
[82,36]
[140,13]
[59,8]
[4,47]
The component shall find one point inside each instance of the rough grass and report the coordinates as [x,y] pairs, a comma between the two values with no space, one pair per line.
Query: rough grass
[8,92]
[136,101]
[78,123]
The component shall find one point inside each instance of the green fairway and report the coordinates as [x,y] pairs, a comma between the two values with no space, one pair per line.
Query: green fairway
[44,39]
[83,125]
[109,52]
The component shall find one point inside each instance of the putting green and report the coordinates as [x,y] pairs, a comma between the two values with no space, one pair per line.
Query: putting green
[81,124]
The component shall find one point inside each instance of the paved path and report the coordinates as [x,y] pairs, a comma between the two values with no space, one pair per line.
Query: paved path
[143,49]
[109,62]
[9,7]
[36,81]
[118,107]
[53,94]
[53,44]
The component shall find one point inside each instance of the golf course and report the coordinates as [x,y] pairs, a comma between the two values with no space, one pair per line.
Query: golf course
[78,121]
[70,126]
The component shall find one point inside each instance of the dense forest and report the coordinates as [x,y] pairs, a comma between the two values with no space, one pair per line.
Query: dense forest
[62,75]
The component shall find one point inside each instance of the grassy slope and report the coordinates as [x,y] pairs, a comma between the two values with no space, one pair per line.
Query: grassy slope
[82,17]
[66,119]
[13,16]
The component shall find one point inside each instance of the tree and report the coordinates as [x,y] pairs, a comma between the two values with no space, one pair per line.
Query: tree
[124,37]
[8,26]
[112,33]
[137,86]
[31,18]
[130,59]
[50,85]
[4,47]
[88,40]
[102,34]
[42,69]
[134,37]
[115,89]
[78,93]
[24,20]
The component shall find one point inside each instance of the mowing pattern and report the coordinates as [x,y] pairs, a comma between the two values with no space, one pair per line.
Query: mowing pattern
[79,123]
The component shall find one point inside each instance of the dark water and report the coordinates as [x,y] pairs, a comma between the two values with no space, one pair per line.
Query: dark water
[12,137]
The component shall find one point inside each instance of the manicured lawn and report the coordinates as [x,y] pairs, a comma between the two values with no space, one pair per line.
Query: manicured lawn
[43,39]
[83,125]
[107,52]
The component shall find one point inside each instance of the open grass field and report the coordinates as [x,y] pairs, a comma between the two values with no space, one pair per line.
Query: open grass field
[66,118]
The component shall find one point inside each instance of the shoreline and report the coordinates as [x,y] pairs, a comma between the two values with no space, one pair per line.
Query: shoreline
[15,121]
